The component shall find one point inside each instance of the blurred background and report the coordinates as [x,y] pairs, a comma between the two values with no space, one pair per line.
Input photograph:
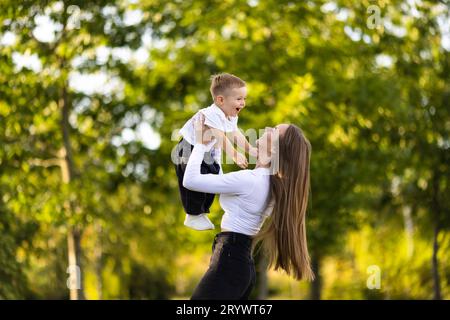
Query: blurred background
[92,94]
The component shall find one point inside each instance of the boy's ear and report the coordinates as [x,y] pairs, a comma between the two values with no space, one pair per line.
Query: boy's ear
[220,99]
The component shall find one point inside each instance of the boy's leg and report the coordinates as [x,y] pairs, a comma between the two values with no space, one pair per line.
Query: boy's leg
[193,202]
[213,167]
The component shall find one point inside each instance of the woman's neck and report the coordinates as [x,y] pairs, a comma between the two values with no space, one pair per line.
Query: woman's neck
[259,164]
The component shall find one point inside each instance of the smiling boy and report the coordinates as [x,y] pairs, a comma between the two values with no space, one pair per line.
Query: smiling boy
[229,93]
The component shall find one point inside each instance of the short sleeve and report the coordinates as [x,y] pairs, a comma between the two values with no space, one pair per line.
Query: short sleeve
[212,119]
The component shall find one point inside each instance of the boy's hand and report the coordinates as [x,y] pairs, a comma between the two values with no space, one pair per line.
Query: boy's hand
[241,160]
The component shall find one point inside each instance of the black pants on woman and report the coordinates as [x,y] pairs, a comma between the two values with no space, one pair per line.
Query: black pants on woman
[231,273]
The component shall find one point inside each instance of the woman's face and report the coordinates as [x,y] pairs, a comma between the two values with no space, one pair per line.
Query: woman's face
[266,141]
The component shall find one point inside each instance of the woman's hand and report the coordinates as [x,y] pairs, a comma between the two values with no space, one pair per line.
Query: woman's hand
[203,134]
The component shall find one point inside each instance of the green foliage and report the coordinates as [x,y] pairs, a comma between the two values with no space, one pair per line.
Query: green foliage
[379,132]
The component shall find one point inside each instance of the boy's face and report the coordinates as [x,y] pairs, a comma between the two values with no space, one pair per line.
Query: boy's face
[233,101]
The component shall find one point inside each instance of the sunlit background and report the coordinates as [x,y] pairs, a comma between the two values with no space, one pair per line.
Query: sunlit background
[92,94]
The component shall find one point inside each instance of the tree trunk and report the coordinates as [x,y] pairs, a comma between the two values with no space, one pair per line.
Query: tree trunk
[435,267]
[99,262]
[74,254]
[437,224]
[74,251]
[409,230]
[316,285]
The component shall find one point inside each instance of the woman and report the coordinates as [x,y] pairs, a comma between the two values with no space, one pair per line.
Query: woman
[277,188]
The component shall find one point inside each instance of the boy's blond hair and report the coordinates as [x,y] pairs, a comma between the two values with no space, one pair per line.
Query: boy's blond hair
[222,82]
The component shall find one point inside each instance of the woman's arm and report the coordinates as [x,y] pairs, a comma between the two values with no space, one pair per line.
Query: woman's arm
[237,182]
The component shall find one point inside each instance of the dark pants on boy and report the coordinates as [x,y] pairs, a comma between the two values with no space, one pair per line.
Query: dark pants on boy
[194,202]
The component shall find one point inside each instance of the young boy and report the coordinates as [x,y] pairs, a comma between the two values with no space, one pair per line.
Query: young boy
[229,94]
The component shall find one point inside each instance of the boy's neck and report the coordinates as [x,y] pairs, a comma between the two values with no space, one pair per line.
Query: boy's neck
[222,110]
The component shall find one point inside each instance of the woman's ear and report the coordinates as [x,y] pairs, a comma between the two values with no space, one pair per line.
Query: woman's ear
[274,145]
[275,141]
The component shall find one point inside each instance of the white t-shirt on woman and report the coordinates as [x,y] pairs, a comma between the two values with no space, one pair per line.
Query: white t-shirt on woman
[243,194]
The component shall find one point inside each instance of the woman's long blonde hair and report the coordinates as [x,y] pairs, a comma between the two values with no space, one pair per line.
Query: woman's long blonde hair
[283,235]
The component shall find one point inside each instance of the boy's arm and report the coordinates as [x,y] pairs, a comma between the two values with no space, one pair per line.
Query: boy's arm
[227,146]
[242,143]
